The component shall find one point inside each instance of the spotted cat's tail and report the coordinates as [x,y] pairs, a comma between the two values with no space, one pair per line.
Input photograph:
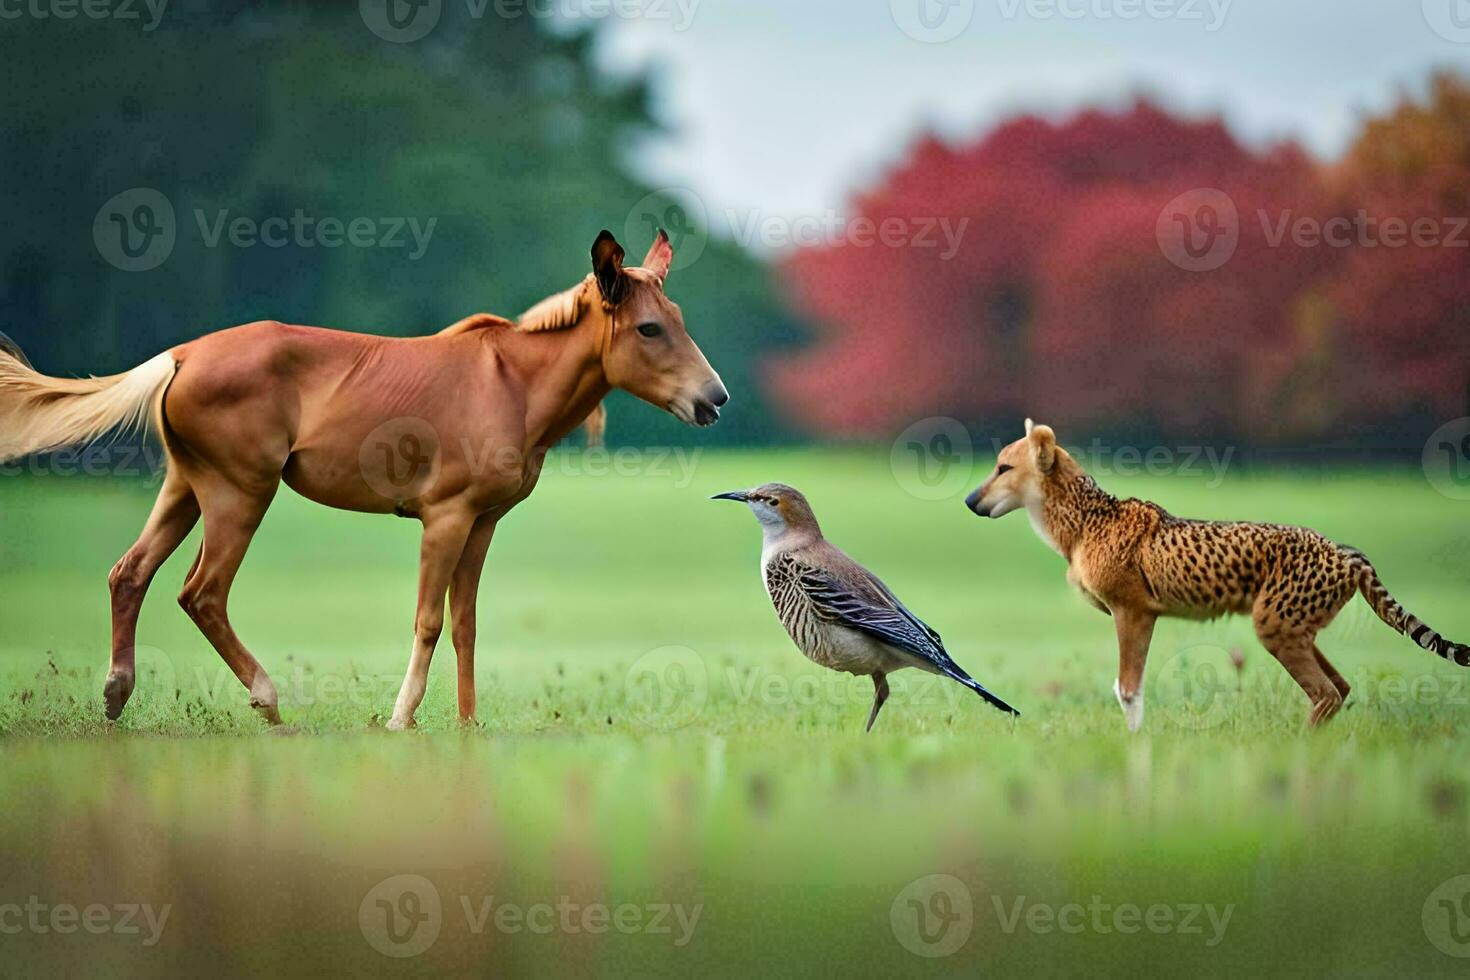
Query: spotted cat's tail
[1395,615]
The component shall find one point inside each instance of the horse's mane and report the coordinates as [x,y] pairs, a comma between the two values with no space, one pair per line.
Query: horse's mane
[476,321]
[556,312]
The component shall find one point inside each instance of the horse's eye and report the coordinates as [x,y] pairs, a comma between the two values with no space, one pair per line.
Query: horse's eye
[649,329]
[1003,468]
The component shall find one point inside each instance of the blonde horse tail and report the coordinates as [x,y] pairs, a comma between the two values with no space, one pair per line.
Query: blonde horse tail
[39,412]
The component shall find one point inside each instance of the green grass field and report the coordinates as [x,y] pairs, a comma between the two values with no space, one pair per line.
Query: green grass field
[661,783]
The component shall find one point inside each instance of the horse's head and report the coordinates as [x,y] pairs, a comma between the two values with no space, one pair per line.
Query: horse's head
[644,347]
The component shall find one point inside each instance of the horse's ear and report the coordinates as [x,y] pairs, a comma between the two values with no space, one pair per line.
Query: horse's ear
[607,266]
[660,255]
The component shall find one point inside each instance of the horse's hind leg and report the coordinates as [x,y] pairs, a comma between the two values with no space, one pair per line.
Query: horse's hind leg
[231,516]
[174,515]
[464,586]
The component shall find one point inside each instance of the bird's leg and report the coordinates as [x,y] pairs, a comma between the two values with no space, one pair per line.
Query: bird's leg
[880,694]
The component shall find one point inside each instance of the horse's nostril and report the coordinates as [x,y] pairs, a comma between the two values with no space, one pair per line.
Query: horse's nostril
[716,394]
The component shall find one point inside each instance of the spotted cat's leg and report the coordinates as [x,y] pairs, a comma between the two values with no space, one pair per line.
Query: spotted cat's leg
[1282,631]
[1343,687]
[1135,630]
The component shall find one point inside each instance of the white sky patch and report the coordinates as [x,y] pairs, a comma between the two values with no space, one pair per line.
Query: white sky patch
[789,107]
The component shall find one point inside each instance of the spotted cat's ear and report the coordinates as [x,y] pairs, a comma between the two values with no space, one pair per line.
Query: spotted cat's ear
[1043,445]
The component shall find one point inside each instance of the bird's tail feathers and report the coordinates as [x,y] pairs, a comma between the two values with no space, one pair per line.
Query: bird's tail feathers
[981,690]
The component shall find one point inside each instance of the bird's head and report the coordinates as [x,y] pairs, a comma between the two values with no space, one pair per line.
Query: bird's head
[778,507]
[1023,472]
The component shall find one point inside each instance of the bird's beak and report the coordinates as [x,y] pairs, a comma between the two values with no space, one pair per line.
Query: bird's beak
[739,495]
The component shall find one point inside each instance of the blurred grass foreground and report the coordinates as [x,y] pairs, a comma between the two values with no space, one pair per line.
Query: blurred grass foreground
[663,784]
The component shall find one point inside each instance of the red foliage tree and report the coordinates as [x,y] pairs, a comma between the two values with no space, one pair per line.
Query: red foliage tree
[1404,308]
[1065,301]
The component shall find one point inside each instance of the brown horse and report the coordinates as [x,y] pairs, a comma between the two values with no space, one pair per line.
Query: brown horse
[450,429]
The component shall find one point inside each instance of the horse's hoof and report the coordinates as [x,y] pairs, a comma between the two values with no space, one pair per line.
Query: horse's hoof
[394,725]
[268,712]
[115,694]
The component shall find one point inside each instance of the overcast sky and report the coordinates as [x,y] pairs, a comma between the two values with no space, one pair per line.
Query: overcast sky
[783,107]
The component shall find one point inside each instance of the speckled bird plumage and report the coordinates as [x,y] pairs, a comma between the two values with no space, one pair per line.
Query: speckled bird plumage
[839,614]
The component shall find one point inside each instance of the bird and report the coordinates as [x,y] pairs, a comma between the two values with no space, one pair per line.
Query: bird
[839,614]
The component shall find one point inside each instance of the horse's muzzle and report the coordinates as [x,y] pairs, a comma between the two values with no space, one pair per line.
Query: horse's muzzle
[707,403]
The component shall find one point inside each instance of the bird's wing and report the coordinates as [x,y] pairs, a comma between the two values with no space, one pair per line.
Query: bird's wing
[842,591]
[855,598]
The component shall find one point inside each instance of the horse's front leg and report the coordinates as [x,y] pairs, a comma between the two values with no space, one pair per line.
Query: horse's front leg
[464,588]
[445,534]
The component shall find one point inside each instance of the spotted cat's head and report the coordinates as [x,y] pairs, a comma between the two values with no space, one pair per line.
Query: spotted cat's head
[1022,473]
